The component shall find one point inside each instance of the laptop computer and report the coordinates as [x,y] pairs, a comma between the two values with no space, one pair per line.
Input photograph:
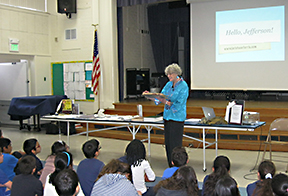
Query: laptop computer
[208,113]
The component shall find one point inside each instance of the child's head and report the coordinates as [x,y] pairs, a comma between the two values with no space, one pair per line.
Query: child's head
[63,160]
[31,146]
[135,152]
[58,146]
[6,145]
[66,182]
[183,179]
[226,186]
[221,167]
[266,170]
[221,162]
[91,148]
[27,165]
[116,166]
[280,185]
[187,175]
[179,156]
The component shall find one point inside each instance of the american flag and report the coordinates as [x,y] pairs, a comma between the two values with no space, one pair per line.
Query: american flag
[96,67]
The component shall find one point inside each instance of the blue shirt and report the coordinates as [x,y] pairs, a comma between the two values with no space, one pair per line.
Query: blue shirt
[203,185]
[169,172]
[88,171]
[8,165]
[3,179]
[251,187]
[178,96]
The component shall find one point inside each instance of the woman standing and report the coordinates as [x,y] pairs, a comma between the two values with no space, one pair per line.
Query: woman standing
[176,92]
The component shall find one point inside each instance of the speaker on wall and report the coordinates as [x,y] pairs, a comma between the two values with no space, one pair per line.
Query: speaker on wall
[66,6]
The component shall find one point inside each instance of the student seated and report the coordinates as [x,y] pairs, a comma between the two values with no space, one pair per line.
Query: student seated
[221,167]
[4,181]
[87,177]
[57,147]
[9,161]
[183,183]
[262,186]
[179,158]
[67,183]
[280,185]
[140,167]
[32,147]
[63,160]
[113,180]
[226,186]
[25,183]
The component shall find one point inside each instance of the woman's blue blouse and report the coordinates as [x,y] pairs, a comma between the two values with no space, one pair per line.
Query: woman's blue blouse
[178,96]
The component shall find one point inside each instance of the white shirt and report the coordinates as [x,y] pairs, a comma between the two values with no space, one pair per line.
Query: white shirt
[138,173]
[49,189]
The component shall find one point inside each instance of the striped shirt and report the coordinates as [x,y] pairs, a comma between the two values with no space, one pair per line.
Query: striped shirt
[113,184]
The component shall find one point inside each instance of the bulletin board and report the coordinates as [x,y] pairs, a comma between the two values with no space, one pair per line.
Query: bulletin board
[73,79]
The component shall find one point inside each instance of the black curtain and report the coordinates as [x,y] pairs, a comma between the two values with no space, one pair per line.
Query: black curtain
[166,24]
[120,53]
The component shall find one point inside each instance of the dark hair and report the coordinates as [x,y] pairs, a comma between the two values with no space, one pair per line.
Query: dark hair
[58,146]
[66,182]
[179,156]
[90,147]
[1,134]
[4,143]
[280,185]
[221,167]
[62,161]
[266,171]
[115,166]
[27,164]
[29,145]
[226,186]
[184,179]
[135,152]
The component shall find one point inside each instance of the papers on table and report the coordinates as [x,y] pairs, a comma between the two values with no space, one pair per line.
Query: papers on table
[152,119]
[113,117]
[193,120]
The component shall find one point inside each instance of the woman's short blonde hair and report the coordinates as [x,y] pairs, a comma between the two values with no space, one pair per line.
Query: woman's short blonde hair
[173,69]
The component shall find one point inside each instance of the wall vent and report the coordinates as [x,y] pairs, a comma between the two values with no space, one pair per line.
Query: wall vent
[70,34]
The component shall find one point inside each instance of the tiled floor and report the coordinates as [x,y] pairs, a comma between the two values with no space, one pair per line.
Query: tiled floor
[241,161]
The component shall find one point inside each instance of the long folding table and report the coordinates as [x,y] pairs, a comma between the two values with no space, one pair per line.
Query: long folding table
[134,125]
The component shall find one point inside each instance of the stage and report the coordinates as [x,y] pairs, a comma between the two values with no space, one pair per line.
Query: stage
[268,110]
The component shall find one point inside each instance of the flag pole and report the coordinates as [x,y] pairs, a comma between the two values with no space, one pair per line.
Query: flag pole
[98,91]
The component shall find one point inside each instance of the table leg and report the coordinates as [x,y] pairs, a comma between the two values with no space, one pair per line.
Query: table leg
[149,128]
[68,132]
[87,131]
[38,122]
[133,132]
[204,149]
[59,129]
[216,140]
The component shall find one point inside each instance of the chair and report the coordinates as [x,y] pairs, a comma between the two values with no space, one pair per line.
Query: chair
[279,125]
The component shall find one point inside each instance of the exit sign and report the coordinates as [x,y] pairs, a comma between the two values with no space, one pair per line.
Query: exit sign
[14,45]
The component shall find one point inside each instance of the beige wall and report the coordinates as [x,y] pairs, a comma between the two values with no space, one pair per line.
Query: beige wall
[42,42]
[103,13]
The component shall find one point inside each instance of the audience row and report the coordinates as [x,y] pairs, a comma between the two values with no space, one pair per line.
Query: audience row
[22,173]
